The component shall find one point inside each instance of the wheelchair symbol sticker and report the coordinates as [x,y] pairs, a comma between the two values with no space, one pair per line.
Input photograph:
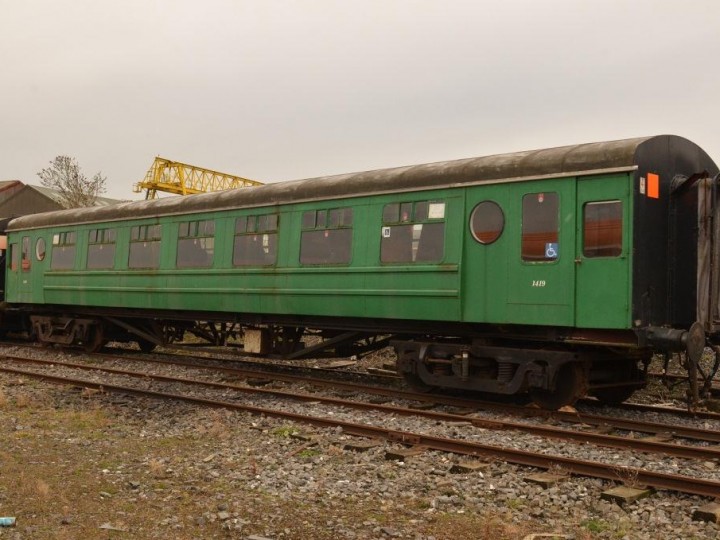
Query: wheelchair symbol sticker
[551,250]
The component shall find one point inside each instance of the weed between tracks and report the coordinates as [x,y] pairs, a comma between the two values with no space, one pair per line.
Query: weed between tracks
[80,467]
[74,465]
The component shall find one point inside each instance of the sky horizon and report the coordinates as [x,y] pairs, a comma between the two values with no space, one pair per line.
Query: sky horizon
[281,90]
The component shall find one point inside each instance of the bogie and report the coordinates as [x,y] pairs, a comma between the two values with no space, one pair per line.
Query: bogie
[553,378]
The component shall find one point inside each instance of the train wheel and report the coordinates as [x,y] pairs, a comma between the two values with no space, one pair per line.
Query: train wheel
[569,386]
[613,396]
[416,384]
[97,340]
[146,346]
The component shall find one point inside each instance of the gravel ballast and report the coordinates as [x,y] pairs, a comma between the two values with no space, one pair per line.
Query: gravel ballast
[87,464]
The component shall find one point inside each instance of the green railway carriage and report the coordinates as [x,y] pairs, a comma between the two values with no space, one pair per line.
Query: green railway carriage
[518,272]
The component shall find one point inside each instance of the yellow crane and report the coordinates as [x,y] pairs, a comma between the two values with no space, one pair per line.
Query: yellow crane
[183,179]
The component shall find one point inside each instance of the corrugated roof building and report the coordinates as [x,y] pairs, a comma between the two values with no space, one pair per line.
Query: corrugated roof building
[19,199]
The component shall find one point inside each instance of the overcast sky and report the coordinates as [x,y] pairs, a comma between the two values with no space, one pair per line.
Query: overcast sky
[280,90]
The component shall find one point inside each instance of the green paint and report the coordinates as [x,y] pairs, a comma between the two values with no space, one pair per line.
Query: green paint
[473,282]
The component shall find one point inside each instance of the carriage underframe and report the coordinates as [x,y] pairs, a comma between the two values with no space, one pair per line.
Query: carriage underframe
[552,368]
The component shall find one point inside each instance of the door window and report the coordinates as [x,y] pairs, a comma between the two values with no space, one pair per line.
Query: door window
[25,253]
[602,229]
[540,227]
[12,257]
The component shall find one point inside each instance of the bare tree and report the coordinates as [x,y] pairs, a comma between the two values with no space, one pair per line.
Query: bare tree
[76,191]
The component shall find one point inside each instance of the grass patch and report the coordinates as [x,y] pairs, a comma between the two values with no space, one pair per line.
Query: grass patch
[170,481]
[309,453]
[489,527]
[596,526]
[22,401]
[285,431]
[84,421]
[515,504]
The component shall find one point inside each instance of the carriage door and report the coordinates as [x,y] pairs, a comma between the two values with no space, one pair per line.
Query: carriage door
[24,281]
[11,270]
[602,263]
[542,272]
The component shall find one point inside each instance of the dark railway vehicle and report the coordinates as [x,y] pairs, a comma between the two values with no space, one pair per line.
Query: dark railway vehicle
[554,272]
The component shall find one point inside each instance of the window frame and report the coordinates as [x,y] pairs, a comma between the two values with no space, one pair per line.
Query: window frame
[101,239]
[150,236]
[530,236]
[63,241]
[25,254]
[311,237]
[265,227]
[40,248]
[618,249]
[498,233]
[404,218]
[195,232]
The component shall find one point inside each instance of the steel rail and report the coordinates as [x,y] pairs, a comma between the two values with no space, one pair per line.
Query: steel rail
[584,437]
[674,375]
[428,397]
[630,425]
[662,409]
[714,385]
[678,483]
[685,432]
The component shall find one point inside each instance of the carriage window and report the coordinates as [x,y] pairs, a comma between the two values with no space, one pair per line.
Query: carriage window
[391,213]
[25,258]
[12,257]
[145,246]
[540,227]
[196,244]
[308,220]
[487,222]
[63,251]
[328,236]
[602,229]
[256,245]
[101,249]
[267,223]
[40,249]
[413,232]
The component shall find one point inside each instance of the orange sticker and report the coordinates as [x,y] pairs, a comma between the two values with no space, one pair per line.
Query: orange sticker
[653,186]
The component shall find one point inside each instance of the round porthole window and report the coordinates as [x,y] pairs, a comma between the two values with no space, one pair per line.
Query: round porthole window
[40,249]
[487,222]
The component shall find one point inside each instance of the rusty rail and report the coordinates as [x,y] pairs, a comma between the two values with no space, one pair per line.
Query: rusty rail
[683,484]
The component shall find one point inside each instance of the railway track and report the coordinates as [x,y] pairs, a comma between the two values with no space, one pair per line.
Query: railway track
[281,373]
[677,378]
[685,484]
[395,381]
[220,361]
[386,385]
[284,373]
[262,364]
